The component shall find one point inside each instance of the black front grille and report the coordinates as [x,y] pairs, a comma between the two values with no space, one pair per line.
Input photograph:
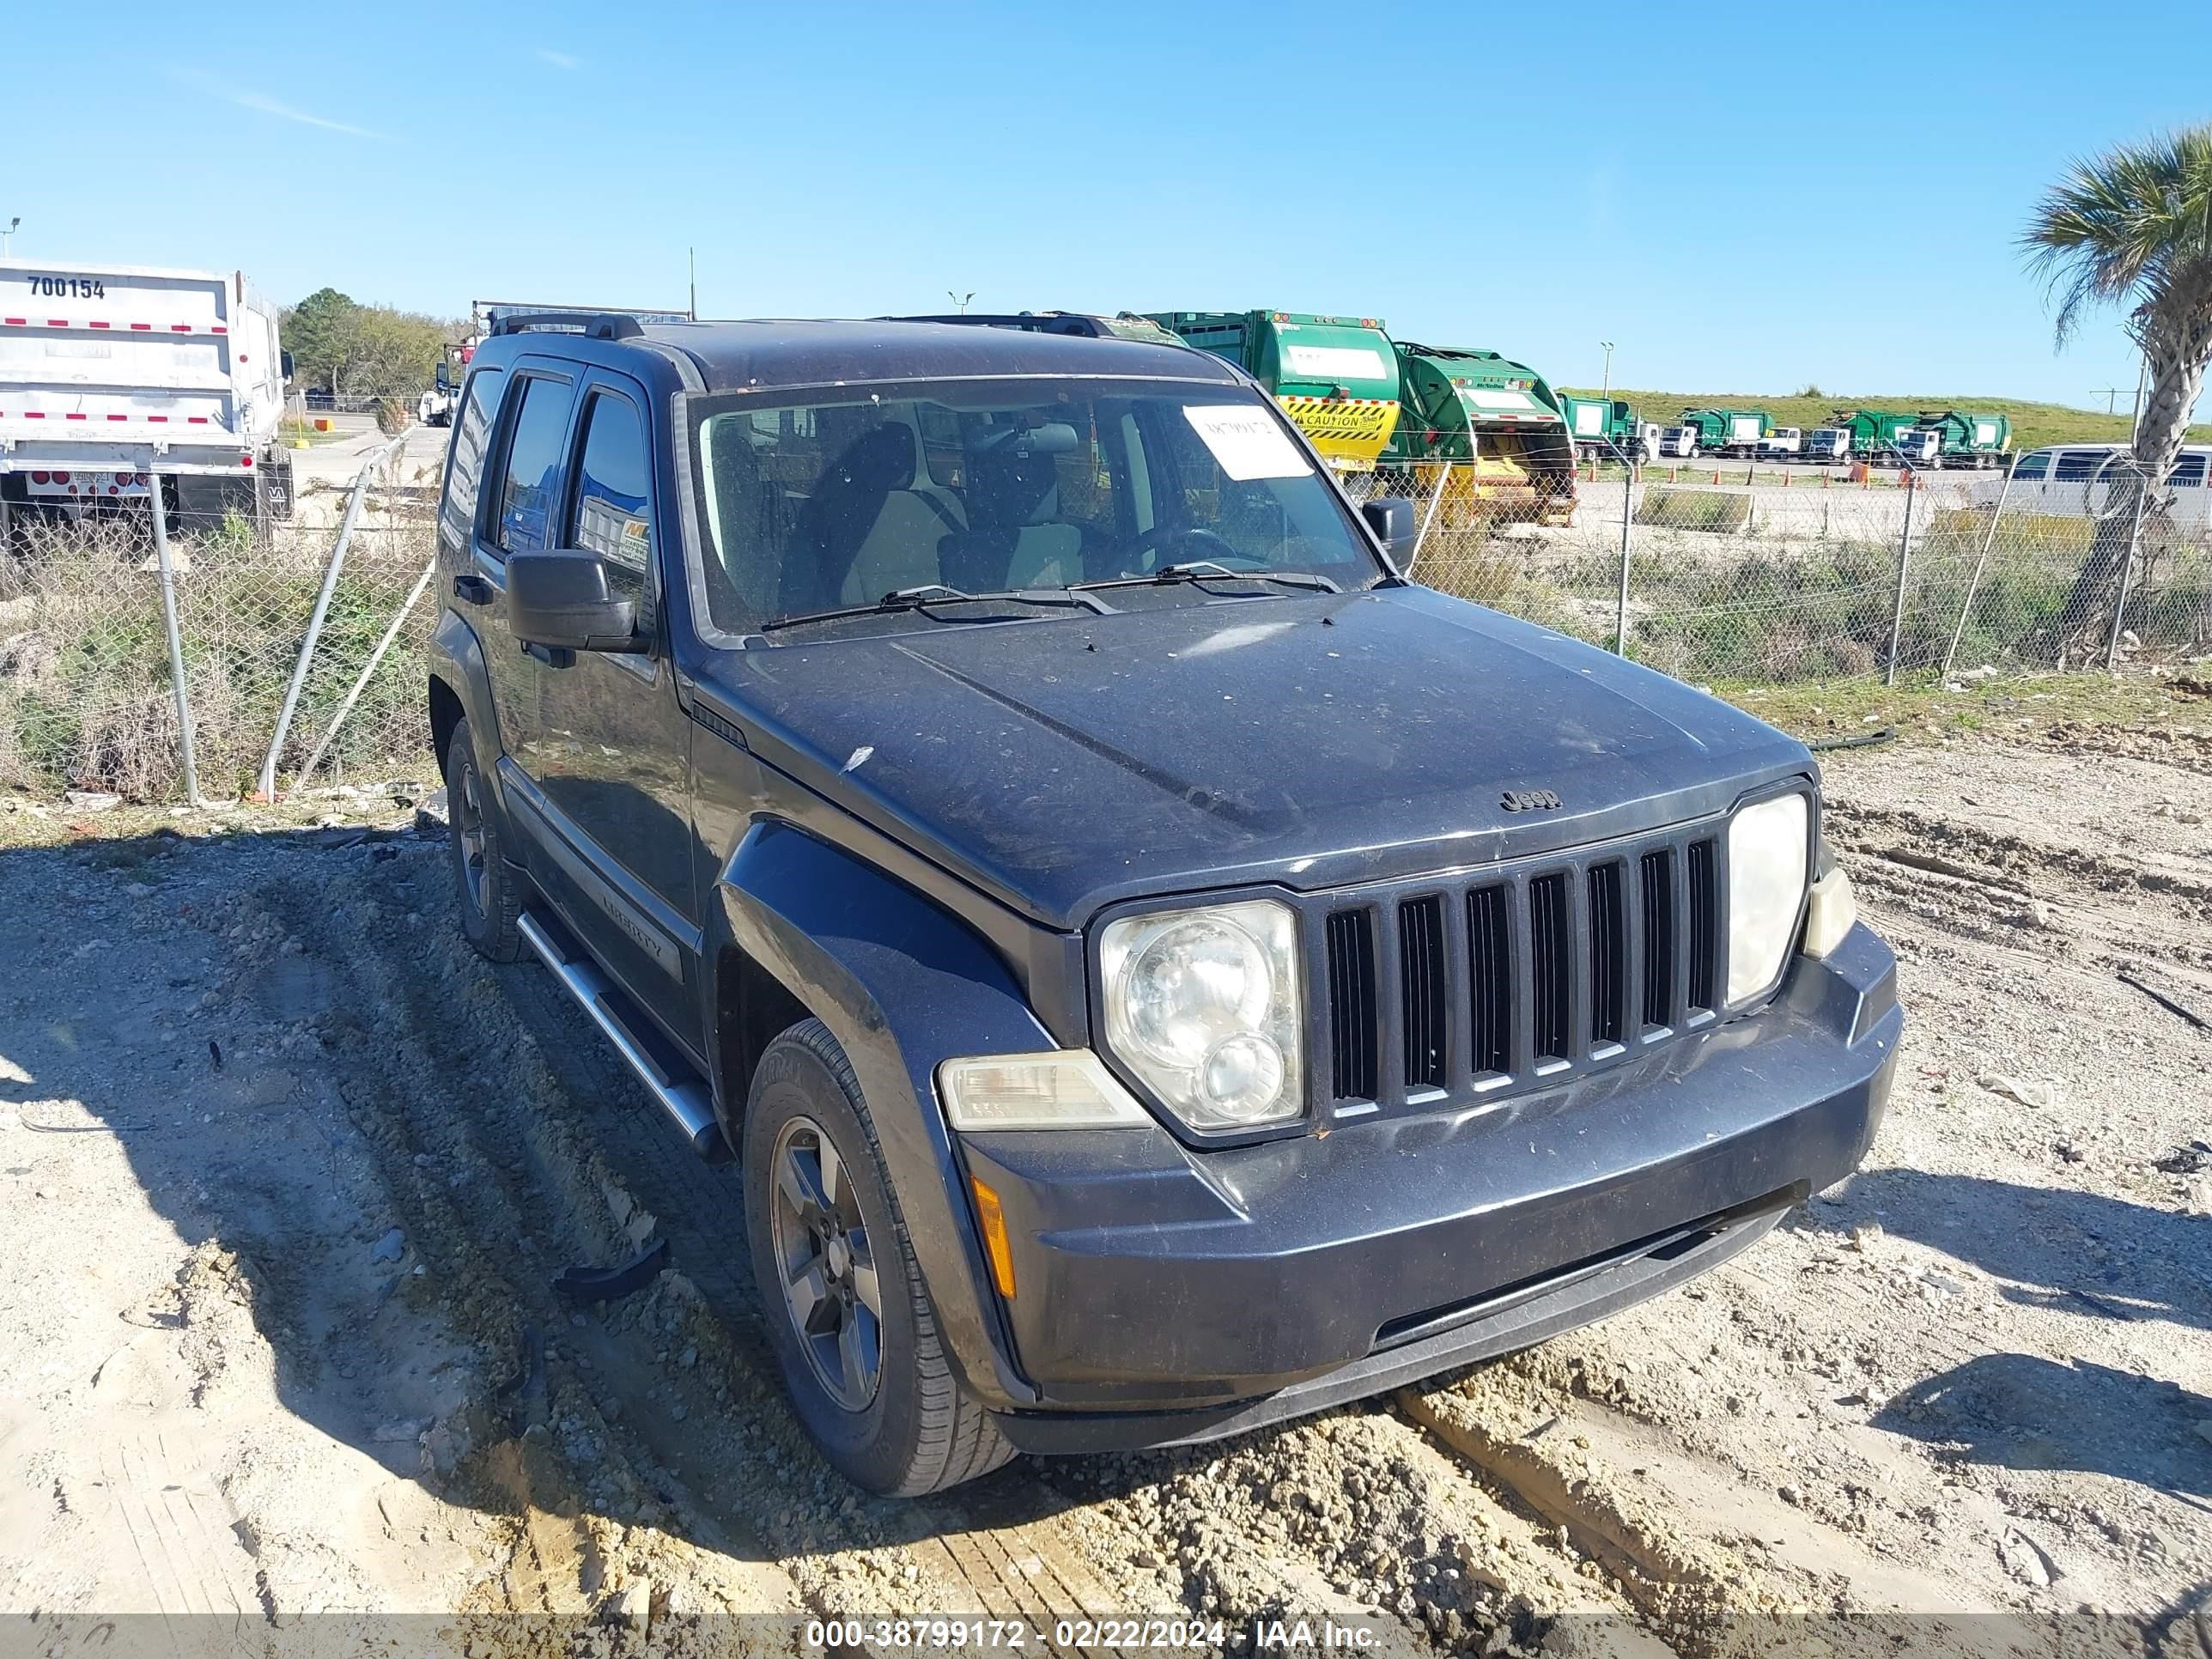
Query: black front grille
[1421,983]
[1607,954]
[1550,963]
[1523,974]
[1490,952]
[1656,883]
[1351,1008]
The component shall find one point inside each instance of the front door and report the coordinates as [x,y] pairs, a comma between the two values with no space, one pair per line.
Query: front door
[611,756]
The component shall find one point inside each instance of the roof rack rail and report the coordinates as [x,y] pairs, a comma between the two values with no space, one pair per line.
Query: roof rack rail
[1084,325]
[594,324]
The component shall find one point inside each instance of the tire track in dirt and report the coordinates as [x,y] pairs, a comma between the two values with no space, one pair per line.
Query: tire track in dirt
[539,1161]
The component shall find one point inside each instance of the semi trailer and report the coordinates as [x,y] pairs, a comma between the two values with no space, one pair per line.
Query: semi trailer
[1335,377]
[118,382]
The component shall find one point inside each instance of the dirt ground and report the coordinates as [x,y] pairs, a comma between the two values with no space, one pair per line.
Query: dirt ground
[286,1175]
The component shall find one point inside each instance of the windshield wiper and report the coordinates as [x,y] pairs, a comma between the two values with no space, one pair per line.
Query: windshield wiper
[921,598]
[1204,570]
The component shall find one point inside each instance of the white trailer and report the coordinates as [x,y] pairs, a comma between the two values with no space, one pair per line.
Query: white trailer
[115,377]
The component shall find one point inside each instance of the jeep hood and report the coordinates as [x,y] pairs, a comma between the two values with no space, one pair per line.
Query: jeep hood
[1311,741]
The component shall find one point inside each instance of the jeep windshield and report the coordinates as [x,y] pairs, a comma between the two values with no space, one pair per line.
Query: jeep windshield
[853,500]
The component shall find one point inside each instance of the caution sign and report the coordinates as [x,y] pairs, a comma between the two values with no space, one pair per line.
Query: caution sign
[1351,432]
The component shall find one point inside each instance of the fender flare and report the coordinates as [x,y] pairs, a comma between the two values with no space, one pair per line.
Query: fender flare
[457,658]
[902,984]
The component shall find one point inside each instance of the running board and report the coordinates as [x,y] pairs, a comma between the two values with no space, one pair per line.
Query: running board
[683,1094]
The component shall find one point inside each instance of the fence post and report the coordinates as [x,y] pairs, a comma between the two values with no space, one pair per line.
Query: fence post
[2128,570]
[1627,519]
[315,621]
[1904,563]
[1975,581]
[1436,495]
[159,514]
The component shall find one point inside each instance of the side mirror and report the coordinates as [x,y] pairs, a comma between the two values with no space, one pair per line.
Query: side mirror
[285,362]
[561,601]
[1391,518]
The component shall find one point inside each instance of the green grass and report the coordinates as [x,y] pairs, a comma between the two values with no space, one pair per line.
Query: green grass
[2012,706]
[292,431]
[2033,424]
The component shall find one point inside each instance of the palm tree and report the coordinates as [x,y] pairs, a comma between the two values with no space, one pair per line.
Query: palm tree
[2133,228]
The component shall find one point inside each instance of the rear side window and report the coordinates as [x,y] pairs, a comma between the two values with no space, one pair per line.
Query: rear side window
[471,437]
[614,511]
[533,459]
[2188,473]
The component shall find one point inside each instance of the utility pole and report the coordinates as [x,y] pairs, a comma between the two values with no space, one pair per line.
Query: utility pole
[960,300]
[2142,381]
[1608,392]
[2111,395]
[8,234]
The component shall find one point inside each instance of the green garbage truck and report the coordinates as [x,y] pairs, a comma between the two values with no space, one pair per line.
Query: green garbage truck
[1874,431]
[1603,427]
[1965,439]
[1336,377]
[1499,420]
[1729,431]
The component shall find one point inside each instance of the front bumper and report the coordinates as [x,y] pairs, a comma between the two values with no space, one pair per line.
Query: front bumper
[1163,1295]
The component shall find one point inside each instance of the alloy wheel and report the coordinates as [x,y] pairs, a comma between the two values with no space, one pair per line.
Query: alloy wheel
[826,1265]
[469,832]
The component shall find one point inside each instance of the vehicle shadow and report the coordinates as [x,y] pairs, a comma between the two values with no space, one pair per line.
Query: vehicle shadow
[2020,1411]
[345,1070]
[2080,1252]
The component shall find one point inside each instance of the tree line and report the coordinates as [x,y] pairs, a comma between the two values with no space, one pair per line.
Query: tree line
[341,346]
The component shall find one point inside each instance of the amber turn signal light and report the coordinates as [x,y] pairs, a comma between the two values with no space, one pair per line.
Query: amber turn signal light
[995,1246]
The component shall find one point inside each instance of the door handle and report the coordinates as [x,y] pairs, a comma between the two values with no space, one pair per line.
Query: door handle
[475,589]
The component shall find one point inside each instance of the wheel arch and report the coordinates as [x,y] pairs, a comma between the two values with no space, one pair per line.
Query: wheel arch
[800,927]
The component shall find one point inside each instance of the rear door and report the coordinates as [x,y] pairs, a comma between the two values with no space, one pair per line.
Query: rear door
[535,401]
[612,759]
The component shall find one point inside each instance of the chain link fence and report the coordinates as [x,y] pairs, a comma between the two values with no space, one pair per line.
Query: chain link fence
[1742,575]
[1731,577]
[87,701]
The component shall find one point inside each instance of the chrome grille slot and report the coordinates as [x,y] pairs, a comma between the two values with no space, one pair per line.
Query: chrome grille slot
[1550,968]
[1656,871]
[1490,952]
[1352,1005]
[1608,955]
[1421,979]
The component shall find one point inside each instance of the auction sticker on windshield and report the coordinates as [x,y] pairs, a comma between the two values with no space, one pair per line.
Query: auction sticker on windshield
[1249,442]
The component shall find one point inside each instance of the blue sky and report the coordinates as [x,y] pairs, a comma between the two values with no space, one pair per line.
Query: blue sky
[1747,199]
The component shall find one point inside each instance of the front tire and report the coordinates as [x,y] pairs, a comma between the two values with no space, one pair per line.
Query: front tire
[842,1295]
[488,892]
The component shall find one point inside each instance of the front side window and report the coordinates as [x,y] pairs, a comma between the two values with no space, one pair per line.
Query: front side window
[533,463]
[613,515]
[990,487]
[2032,466]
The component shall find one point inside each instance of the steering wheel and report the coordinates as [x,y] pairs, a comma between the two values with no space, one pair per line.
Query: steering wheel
[1159,540]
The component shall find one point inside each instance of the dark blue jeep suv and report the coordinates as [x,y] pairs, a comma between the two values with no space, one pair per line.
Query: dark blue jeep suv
[1157,970]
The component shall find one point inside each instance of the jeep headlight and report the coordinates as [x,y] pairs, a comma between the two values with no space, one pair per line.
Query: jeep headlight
[1203,1006]
[1767,886]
